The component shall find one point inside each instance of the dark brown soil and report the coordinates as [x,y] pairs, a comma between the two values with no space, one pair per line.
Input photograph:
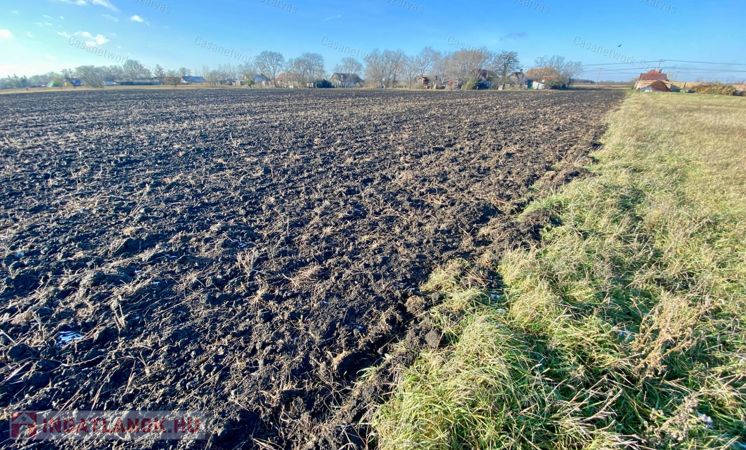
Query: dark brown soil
[247,253]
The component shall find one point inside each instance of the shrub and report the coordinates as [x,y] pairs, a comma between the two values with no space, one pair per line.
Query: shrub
[470,85]
[716,89]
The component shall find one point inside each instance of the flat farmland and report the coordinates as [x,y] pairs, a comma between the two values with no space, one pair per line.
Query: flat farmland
[249,253]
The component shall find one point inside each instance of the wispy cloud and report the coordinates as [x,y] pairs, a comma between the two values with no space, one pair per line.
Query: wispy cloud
[334,17]
[89,39]
[138,19]
[5,34]
[105,3]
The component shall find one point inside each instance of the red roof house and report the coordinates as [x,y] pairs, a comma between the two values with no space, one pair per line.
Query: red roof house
[654,75]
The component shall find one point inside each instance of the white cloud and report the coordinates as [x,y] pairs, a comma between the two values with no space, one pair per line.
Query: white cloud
[137,19]
[88,38]
[5,34]
[105,3]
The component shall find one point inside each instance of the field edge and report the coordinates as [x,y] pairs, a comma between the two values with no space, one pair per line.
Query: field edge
[621,329]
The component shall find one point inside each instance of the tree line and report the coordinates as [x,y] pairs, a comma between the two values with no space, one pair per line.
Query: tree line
[379,69]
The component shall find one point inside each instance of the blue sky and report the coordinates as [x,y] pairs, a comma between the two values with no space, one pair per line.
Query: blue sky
[35,35]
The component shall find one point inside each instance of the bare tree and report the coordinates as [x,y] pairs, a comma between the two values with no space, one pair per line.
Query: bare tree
[505,63]
[421,64]
[269,64]
[159,73]
[308,66]
[349,65]
[184,72]
[173,77]
[90,76]
[462,64]
[547,75]
[383,69]
[134,70]
[566,69]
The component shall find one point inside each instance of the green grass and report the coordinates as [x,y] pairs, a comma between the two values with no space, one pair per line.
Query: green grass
[624,327]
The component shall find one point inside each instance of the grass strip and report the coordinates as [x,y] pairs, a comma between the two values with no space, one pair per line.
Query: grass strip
[624,327]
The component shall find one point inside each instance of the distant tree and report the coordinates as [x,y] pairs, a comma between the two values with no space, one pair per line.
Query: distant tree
[270,64]
[68,74]
[383,69]
[134,70]
[462,64]
[247,72]
[567,70]
[349,65]
[184,72]
[90,76]
[159,73]
[505,63]
[309,67]
[547,75]
[172,78]
[112,73]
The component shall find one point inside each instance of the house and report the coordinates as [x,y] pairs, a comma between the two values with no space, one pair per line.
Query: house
[653,86]
[139,82]
[424,82]
[189,79]
[74,82]
[485,78]
[536,84]
[261,80]
[648,78]
[518,79]
[289,80]
[346,80]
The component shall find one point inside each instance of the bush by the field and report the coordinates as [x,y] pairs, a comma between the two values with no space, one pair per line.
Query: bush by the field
[716,89]
[625,327]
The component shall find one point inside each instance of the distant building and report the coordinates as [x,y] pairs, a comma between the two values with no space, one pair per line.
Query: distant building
[654,86]
[346,80]
[289,80]
[261,80]
[189,79]
[139,82]
[485,78]
[653,77]
[538,85]
[518,79]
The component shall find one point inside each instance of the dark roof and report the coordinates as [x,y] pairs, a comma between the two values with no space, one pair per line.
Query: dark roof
[654,75]
[193,79]
[343,77]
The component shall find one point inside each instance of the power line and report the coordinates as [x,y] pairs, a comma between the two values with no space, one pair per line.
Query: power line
[683,69]
[661,61]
